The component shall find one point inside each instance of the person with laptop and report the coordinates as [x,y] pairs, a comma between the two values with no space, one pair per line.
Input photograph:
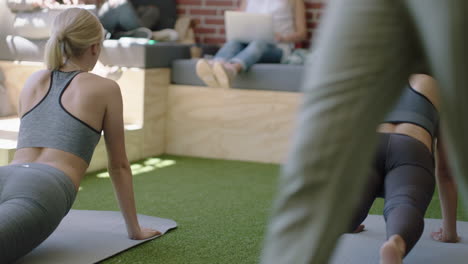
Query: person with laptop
[247,44]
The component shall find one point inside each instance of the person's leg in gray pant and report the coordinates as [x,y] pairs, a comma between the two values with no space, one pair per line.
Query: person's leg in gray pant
[443,30]
[364,54]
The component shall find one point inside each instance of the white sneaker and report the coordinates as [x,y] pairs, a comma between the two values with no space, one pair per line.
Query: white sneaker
[165,35]
[223,74]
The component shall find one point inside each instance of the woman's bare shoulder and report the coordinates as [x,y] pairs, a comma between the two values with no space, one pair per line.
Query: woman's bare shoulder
[96,83]
[427,86]
[37,80]
[39,76]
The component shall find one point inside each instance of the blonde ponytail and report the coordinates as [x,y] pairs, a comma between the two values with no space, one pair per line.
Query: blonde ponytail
[53,53]
[73,31]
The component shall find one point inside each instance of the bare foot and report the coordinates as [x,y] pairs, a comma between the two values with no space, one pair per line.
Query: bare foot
[393,250]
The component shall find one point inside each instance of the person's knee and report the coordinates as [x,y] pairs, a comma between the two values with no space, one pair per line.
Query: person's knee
[404,208]
[233,44]
[258,45]
[149,15]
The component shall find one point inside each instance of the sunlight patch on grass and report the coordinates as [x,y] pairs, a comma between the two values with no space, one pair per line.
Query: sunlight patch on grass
[144,166]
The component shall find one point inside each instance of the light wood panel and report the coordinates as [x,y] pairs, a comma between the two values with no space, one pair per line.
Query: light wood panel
[131,85]
[230,123]
[6,155]
[155,108]
[16,75]
[133,145]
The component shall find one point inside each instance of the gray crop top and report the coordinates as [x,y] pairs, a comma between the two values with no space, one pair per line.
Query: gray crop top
[415,108]
[49,125]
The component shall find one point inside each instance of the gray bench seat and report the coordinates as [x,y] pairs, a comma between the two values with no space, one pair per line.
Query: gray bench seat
[262,76]
[125,53]
[135,54]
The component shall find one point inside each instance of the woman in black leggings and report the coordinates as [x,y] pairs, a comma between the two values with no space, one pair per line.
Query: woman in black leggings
[403,172]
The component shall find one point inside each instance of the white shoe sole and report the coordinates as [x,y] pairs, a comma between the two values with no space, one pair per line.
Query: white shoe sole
[221,75]
[206,74]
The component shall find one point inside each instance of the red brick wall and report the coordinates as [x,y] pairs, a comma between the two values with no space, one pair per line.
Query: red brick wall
[209,15]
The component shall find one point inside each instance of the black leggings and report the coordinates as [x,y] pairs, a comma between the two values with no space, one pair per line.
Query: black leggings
[402,174]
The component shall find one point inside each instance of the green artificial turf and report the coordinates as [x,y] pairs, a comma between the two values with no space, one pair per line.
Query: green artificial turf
[221,208]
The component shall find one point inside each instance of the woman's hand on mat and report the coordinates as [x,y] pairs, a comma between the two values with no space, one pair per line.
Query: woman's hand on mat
[358,229]
[145,233]
[442,237]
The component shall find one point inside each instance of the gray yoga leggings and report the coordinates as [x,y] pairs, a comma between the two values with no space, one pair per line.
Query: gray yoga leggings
[33,200]
[402,174]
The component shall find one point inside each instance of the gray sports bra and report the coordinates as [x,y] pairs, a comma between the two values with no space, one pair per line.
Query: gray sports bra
[50,125]
[415,108]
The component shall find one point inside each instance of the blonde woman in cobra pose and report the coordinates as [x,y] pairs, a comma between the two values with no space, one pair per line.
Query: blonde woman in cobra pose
[63,111]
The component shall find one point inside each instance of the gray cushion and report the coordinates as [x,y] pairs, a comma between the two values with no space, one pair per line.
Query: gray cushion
[142,55]
[23,49]
[261,76]
[124,52]
[6,28]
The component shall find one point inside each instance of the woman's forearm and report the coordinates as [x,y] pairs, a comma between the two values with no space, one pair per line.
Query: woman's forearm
[294,37]
[448,195]
[123,184]
[449,201]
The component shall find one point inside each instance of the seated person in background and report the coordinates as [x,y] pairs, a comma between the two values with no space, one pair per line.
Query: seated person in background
[234,57]
[121,19]
[403,172]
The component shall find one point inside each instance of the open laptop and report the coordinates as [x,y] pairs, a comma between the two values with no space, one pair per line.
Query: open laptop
[246,27]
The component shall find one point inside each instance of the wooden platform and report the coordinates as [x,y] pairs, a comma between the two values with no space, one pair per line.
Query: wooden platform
[235,124]
[8,137]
